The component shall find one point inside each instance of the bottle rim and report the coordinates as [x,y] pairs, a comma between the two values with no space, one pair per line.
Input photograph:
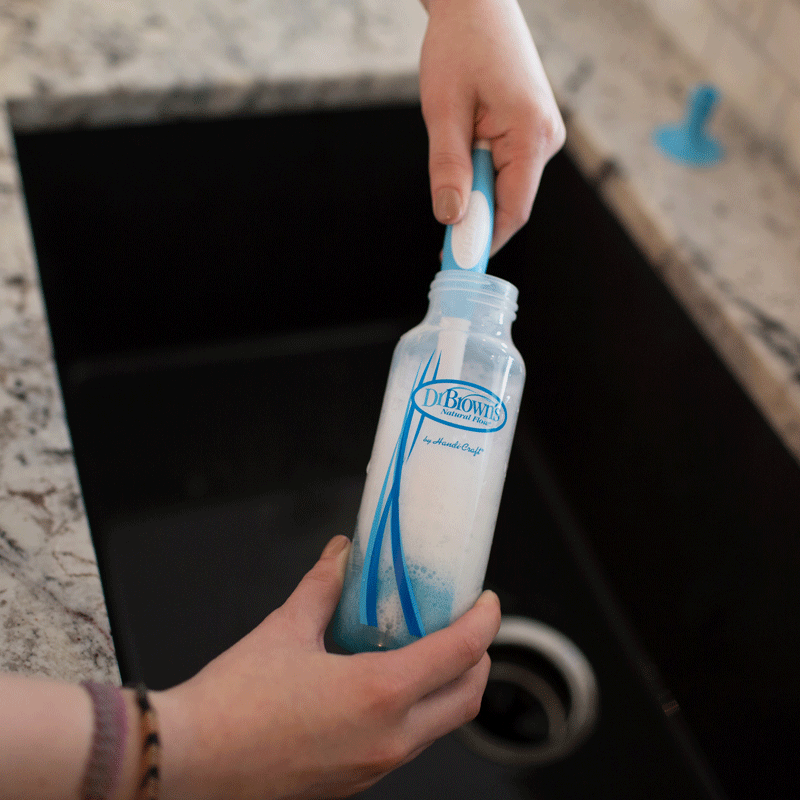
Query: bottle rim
[485,288]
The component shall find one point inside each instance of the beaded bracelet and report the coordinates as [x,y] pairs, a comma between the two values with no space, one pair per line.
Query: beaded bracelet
[104,764]
[151,748]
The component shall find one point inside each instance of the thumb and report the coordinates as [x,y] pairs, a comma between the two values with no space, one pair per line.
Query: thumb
[311,605]
[450,162]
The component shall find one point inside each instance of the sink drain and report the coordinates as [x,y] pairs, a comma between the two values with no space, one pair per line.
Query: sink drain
[541,700]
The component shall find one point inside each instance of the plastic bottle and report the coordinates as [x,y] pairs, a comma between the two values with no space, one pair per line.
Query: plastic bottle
[438,464]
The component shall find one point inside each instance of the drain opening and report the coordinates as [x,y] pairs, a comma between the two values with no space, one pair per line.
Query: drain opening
[540,701]
[521,708]
[510,711]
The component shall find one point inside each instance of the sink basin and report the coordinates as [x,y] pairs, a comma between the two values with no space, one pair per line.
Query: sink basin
[224,298]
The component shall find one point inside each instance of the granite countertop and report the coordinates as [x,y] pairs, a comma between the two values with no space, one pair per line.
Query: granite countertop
[726,240]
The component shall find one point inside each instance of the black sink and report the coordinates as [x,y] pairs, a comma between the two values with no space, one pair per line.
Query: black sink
[224,298]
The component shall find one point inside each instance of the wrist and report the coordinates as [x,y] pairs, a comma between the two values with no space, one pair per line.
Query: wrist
[141,766]
[181,767]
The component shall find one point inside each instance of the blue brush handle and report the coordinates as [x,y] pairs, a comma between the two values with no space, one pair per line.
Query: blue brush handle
[467,242]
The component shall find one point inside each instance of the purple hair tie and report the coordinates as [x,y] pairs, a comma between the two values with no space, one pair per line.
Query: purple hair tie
[108,741]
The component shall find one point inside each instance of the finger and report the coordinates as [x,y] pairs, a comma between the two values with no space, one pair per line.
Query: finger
[519,171]
[450,130]
[515,192]
[520,156]
[311,605]
[443,656]
[450,707]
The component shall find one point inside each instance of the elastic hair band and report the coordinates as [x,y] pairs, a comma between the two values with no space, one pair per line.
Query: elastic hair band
[104,764]
[150,779]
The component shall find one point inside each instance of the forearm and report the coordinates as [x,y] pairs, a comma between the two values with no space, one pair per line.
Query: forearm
[46,730]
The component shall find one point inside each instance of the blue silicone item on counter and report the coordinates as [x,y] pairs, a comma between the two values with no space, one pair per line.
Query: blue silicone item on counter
[467,243]
[688,142]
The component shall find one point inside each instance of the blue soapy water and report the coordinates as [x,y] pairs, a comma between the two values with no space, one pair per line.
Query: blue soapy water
[435,600]
[434,596]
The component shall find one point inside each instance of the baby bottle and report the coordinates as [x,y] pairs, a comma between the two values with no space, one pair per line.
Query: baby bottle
[435,477]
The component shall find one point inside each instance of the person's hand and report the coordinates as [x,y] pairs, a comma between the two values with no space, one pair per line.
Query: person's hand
[276,716]
[481,78]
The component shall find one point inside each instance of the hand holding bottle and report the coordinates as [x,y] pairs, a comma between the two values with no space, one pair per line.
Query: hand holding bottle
[277,716]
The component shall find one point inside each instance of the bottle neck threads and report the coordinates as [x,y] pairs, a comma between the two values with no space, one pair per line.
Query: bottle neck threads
[480,301]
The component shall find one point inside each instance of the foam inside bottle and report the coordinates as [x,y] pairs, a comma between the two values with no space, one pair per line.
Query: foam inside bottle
[451,345]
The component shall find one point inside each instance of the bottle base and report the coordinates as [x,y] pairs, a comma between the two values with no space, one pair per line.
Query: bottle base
[358,638]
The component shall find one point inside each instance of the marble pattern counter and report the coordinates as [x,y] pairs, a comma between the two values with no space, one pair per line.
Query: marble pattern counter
[726,240]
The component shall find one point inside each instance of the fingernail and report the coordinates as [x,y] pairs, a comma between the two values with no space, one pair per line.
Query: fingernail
[447,205]
[335,546]
[488,596]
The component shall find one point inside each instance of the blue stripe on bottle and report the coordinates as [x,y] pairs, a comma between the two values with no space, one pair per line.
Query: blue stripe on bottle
[368,613]
[408,601]
[389,513]
[422,419]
